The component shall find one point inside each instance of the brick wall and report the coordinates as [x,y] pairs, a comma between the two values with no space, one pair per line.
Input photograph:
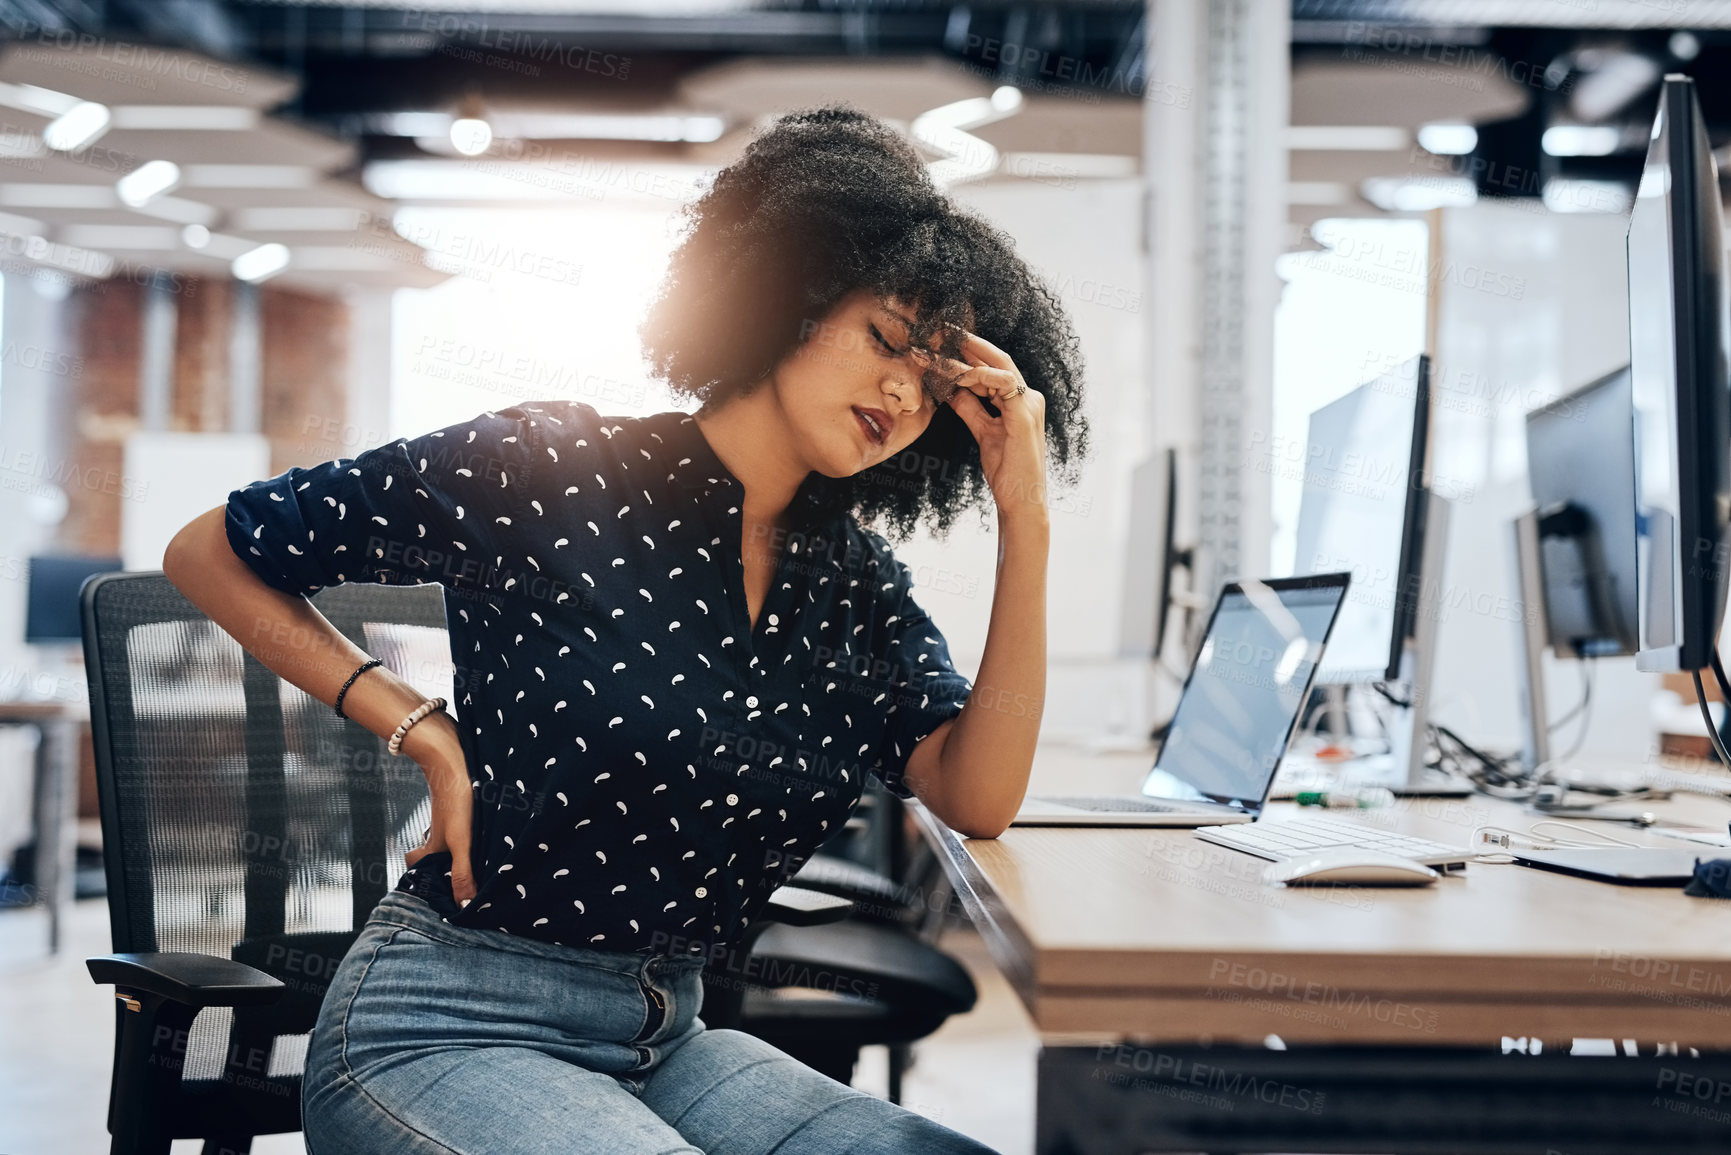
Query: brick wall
[305,375]
[105,399]
[305,370]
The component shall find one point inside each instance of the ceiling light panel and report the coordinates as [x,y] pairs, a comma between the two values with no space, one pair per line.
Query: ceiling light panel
[147,182]
[1581,139]
[78,127]
[261,264]
[1448,139]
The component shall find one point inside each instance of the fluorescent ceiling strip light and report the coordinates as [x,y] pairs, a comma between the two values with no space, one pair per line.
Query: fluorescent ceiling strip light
[673,128]
[224,246]
[1346,138]
[345,259]
[248,176]
[11,224]
[185,117]
[41,101]
[179,210]
[59,196]
[154,237]
[291,219]
[562,126]
[944,129]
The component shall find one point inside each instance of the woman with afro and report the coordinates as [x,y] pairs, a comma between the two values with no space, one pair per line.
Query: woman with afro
[680,653]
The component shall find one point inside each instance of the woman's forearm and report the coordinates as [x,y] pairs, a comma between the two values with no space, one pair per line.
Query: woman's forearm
[293,640]
[988,753]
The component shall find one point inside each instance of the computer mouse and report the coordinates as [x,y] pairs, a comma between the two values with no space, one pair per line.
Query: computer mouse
[1351,867]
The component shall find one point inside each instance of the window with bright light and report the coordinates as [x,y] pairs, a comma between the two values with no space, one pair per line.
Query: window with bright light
[544,305]
[1347,314]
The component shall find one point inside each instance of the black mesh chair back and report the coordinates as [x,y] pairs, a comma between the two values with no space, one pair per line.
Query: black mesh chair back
[242,819]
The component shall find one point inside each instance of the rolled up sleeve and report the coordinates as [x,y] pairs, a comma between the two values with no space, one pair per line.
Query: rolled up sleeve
[424,509]
[929,689]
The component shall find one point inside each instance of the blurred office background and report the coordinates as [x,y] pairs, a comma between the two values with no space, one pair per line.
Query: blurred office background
[237,236]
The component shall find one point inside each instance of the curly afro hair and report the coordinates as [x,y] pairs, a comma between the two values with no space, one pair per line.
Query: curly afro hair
[826,202]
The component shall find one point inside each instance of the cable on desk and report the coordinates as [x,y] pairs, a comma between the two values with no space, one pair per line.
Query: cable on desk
[1584,709]
[1707,715]
[1586,665]
[1725,695]
[1491,835]
[1719,674]
[1494,776]
[1382,688]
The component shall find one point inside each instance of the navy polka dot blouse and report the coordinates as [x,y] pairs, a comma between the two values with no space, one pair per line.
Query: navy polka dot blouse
[647,765]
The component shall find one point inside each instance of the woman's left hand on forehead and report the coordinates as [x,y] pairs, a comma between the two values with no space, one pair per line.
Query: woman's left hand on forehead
[1012,444]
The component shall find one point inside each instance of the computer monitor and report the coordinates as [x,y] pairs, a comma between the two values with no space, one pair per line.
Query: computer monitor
[51,614]
[1581,464]
[1678,365]
[1153,557]
[1364,510]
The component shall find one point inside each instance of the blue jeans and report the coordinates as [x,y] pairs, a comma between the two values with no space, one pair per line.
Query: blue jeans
[436,1038]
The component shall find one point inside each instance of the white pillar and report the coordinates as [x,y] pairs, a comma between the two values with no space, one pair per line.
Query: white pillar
[369,386]
[161,316]
[245,360]
[1216,114]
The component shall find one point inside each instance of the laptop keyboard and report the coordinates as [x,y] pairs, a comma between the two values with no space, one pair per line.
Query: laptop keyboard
[1111,804]
[1288,839]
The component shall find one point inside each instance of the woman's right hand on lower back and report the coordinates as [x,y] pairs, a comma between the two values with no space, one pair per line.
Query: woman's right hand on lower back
[440,757]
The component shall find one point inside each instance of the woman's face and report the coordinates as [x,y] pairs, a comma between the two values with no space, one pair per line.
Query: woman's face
[851,391]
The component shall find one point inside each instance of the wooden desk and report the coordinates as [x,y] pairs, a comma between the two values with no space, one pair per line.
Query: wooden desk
[1154,941]
[56,798]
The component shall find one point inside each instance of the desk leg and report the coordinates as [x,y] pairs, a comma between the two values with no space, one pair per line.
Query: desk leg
[1115,1099]
[56,810]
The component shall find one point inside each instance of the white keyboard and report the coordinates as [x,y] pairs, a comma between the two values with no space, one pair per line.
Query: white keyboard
[1293,837]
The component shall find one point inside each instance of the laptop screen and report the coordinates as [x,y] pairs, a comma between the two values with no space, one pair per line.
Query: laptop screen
[1245,690]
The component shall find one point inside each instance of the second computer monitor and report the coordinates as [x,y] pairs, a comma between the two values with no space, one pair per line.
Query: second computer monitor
[1581,461]
[1363,510]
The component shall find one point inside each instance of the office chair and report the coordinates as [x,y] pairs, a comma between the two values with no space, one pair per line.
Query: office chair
[249,833]
[877,979]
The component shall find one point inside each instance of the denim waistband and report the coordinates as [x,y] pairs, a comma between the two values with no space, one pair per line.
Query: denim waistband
[402,908]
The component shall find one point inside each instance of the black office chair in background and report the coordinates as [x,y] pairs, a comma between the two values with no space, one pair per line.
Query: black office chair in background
[249,832]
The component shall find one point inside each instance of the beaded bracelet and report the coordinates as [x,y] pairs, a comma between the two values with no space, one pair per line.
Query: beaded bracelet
[430,706]
[344,692]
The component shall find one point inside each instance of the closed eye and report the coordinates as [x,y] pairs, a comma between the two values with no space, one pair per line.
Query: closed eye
[885,345]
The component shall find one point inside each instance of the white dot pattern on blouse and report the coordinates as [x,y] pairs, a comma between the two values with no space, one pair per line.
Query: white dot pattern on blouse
[647,765]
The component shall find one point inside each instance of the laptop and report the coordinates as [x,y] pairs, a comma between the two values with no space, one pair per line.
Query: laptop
[1235,716]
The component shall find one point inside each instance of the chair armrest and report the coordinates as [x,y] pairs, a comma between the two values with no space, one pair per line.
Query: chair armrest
[797,906]
[190,979]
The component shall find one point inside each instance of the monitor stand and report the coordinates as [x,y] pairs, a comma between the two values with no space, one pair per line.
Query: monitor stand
[1409,774]
[1403,768]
